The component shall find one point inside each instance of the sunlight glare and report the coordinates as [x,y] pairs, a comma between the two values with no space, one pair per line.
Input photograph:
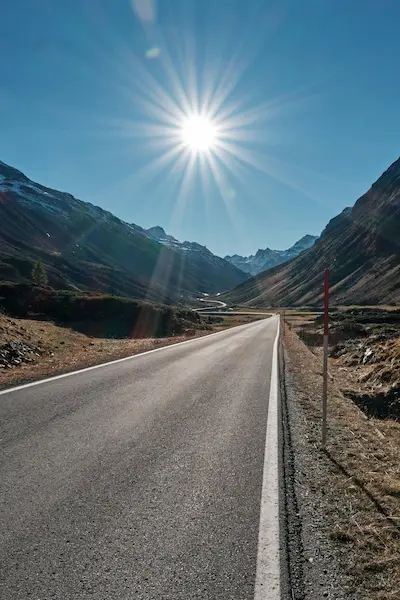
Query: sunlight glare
[198,122]
[199,133]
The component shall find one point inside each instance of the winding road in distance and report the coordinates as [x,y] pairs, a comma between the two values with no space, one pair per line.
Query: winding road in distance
[218,305]
[152,477]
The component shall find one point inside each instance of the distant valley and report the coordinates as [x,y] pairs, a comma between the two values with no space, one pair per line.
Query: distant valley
[251,265]
[85,248]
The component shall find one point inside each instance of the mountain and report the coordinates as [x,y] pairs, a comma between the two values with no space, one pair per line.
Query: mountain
[361,248]
[265,259]
[222,270]
[159,234]
[85,247]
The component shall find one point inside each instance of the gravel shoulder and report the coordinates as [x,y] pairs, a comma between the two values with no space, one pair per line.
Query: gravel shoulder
[343,515]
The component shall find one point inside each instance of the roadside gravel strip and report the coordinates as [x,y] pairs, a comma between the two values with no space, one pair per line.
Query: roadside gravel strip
[313,569]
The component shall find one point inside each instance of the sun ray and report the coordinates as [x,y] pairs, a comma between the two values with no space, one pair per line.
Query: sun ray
[194,117]
[275,168]
[216,169]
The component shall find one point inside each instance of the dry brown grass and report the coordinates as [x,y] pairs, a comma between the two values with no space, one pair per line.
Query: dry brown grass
[67,350]
[362,478]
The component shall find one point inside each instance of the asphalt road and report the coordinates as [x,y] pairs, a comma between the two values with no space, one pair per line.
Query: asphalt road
[140,479]
[215,303]
[216,312]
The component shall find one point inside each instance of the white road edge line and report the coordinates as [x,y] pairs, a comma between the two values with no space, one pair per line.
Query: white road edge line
[119,360]
[268,585]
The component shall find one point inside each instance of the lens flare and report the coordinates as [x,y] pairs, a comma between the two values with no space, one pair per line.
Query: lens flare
[198,121]
[199,133]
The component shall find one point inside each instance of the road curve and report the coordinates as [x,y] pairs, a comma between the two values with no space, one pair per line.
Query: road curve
[207,308]
[140,479]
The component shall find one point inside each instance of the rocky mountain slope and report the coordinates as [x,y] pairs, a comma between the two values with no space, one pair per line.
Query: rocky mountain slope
[361,247]
[87,248]
[199,255]
[266,259]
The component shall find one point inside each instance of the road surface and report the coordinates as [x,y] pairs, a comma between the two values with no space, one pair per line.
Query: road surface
[143,478]
[216,312]
[215,303]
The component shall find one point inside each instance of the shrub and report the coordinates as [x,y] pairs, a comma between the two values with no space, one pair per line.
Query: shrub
[39,275]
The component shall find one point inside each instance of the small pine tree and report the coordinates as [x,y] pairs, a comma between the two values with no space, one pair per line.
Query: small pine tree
[39,275]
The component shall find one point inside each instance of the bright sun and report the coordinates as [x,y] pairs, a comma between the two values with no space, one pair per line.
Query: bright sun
[199,133]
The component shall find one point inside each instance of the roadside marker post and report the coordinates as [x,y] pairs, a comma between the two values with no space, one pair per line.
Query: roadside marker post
[325,367]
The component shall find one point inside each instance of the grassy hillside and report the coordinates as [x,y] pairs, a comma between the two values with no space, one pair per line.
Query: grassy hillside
[96,314]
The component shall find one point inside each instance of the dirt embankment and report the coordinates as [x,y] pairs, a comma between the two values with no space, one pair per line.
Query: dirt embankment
[31,349]
[365,352]
[45,331]
[350,493]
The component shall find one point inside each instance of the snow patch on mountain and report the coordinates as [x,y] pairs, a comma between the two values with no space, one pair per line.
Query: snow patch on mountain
[26,192]
[192,249]
[266,259]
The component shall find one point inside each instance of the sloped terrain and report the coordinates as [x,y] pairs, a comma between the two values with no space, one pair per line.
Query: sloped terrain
[86,248]
[94,313]
[220,269]
[361,247]
[365,351]
[267,258]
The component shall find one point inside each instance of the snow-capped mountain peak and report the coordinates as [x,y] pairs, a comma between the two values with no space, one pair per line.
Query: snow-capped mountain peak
[267,258]
[158,233]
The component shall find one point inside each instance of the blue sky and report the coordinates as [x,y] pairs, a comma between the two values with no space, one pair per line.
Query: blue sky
[308,92]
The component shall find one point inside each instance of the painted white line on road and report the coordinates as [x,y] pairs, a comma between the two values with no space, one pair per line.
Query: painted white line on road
[268,585]
[120,360]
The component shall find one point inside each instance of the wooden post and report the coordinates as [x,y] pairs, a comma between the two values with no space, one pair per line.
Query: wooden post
[325,365]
